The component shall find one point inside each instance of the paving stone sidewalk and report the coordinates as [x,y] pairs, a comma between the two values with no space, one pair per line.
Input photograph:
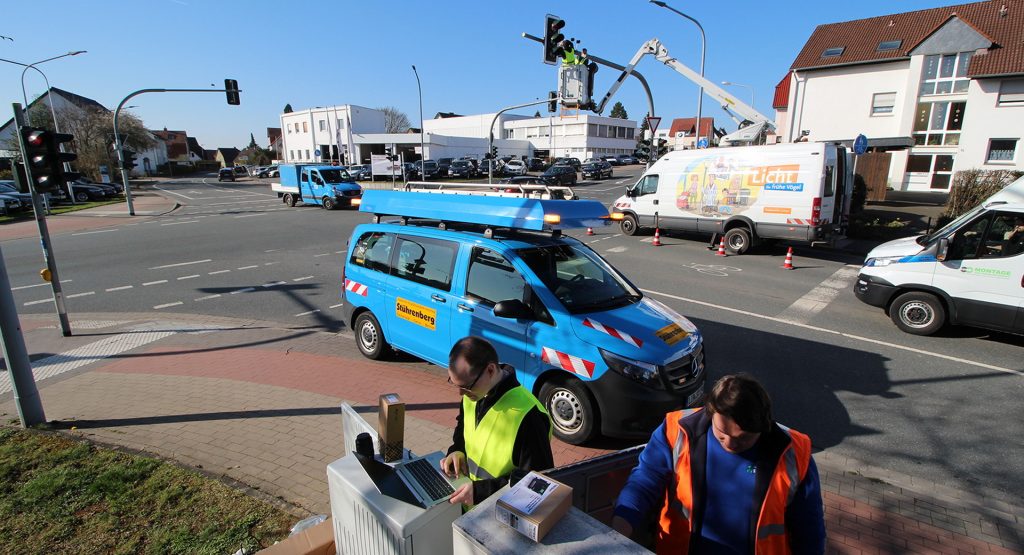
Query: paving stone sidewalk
[257,404]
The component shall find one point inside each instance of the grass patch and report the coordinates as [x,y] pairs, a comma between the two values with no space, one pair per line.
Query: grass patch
[59,209]
[58,495]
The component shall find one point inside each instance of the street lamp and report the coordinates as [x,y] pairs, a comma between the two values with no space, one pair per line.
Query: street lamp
[703,46]
[742,85]
[423,148]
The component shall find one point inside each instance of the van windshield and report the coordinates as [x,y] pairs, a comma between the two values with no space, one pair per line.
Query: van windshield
[926,240]
[580,279]
[335,176]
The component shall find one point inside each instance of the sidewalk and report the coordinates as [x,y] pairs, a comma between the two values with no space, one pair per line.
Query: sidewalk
[256,404]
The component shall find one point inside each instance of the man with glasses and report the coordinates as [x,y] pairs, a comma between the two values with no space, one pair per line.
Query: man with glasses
[502,430]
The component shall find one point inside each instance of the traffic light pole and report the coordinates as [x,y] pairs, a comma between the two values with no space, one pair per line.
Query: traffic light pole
[44,233]
[19,369]
[117,136]
[490,138]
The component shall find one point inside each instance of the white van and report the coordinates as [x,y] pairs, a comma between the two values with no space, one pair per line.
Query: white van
[969,272]
[798,191]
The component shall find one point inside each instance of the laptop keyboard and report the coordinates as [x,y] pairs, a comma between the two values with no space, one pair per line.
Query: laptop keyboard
[429,479]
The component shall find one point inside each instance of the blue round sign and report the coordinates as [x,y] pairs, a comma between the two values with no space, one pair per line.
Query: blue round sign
[702,142]
[316,152]
[860,144]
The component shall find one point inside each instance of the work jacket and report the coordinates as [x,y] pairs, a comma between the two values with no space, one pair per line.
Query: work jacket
[786,455]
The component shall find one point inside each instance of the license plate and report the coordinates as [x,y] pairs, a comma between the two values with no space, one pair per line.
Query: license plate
[696,395]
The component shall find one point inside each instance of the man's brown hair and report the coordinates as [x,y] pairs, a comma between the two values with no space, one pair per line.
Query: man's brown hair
[476,351]
[743,399]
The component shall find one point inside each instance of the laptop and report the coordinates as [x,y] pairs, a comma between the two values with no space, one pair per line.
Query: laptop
[418,481]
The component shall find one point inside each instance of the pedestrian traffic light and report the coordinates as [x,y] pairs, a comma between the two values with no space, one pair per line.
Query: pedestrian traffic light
[231,87]
[387,154]
[553,38]
[552,102]
[494,153]
[127,159]
[44,159]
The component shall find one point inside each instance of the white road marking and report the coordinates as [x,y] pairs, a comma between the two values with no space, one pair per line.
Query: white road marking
[188,277]
[36,285]
[30,303]
[273,283]
[307,313]
[246,290]
[250,215]
[91,232]
[339,252]
[122,288]
[604,190]
[208,297]
[154,282]
[238,202]
[617,249]
[841,334]
[324,254]
[180,264]
[303,278]
[336,305]
[271,250]
[815,300]
[173,193]
[249,267]
[179,223]
[80,295]
[270,263]
[217,272]
[159,306]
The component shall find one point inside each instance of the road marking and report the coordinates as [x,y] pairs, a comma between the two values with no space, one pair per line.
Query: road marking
[155,282]
[122,288]
[270,263]
[336,305]
[250,215]
[271,250]
[246,290]
[324,254]
[173,193]
[218,272]
[30,303]
[815,300]
[273,283]
[303,278]
[617,249]
[249,267]
[179,223]
[91,232]
[80,295]
[208,297]
[159,306]
[307,313]
[180,264]
[339,252]
[235,203]
[188,277]
[36,285]
[603,190]
[839,333]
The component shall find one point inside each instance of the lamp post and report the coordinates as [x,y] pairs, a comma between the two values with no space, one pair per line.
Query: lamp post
[423,148]
[703,51]
[742,85]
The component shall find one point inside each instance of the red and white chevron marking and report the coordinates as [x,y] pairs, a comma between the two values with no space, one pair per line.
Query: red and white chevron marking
[568,362]
[797,221]
[634,341]
[357,288]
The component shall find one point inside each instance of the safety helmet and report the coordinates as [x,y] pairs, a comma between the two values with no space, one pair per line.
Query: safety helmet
[567,44]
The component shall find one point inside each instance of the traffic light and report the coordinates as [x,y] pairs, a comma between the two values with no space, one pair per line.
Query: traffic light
[44,159]
[231,87]
[553,38]
[127,159]
[387,154]
[662,147]
[552,102]
[494,153]
[643,149]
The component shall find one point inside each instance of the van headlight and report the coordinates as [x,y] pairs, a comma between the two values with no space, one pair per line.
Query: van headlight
[881,261]
[641,372]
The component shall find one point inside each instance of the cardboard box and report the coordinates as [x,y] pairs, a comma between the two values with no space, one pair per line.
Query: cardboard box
[534,505]
[391,427]
[316,540]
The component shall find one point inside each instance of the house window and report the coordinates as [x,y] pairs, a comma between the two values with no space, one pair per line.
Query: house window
[833,52]
[1011,93]
[305,129]
[291,154]
[882,104]
[341,123]
[945,73]
[307,150]
[629,132]
[323,125]
[289,128]
[885,46]
[939,165]
[1001,151]
[938,123]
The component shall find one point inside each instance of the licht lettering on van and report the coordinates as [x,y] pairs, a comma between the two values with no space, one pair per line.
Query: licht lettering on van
[435,267]
[797,192]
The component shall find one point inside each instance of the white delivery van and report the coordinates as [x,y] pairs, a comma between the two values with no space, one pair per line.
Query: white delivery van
[798,191]
[969,272]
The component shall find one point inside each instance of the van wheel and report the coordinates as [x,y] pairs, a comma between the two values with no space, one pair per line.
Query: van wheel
[737,240]
[571,410]
[370,338]
[289,200]
[628,225]
[918,313]
[328,203]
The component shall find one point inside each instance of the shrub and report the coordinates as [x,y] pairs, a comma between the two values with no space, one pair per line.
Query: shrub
[971,187]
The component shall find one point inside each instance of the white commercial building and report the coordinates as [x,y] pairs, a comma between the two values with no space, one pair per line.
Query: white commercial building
[934,91]
[330,131]
[583,136]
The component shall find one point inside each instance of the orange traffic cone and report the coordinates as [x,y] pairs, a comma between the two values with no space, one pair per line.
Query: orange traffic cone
[721,248]
[590,231]
[788,265]
[657,238]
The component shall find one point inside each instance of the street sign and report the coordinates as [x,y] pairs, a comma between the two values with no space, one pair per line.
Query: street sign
[860,144]
[702,142]
[316,152]
[652,123]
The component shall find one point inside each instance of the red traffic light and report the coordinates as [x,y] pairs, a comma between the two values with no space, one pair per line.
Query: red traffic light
[35,137]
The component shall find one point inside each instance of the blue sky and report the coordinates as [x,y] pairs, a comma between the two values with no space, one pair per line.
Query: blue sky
[470,55]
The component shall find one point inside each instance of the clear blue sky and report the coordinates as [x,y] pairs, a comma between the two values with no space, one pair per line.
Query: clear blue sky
[470,55]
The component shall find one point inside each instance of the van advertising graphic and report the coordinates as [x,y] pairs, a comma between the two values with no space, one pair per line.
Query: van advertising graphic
[672,334]
[416,313]
[719,186]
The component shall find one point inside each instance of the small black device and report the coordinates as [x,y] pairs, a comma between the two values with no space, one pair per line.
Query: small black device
[364,444]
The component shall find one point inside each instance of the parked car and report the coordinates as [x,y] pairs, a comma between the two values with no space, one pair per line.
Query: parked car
[7,187]
[626,159]
[268,171]
[442,166]
[536,165]
[360,173]
[462,168]
[592,160]
[226,174]
[240,170]
[574,162]
[118,188]
[486,164]
[563,174]
[515,167]
[597,170]
[10,203]
[82,192]
[613,160]
[411,171]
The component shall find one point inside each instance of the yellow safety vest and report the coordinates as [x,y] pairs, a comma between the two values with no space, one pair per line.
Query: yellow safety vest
[569,57]
[489,443]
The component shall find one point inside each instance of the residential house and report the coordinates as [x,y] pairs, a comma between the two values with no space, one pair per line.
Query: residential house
[226,156]
[934,92]
[62,101]
[178,152]
[682,134]
[275,142]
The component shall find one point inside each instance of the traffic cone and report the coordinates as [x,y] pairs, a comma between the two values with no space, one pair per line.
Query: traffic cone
[721,248]
[590,231]
[657,238]
[788,265]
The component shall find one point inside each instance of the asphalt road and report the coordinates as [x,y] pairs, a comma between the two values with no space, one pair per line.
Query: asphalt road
[945,408]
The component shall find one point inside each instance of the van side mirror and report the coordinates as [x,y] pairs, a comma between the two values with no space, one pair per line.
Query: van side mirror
[513,308]
[630,192]
[942,250]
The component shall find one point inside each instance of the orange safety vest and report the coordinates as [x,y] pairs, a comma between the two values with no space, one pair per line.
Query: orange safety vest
[676,523]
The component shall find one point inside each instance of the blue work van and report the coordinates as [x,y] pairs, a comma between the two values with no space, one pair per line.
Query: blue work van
[326,186]
[435,267]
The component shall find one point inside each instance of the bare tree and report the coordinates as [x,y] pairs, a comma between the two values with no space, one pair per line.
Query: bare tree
[93,129]
[395,120]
